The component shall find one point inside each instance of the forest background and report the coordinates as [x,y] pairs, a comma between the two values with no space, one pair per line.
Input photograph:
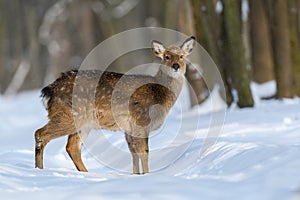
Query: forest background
[249,40]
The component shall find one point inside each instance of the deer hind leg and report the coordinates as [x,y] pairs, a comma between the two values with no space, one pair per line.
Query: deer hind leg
[39,147]
[135,158]
[74,150]
[44,135]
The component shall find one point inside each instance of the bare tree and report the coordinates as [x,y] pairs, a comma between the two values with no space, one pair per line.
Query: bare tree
[197,87]
[35,76]
[262,61]
[24,58]
[235,52]
[278,14]
[12,41]
[2,47]
[208,28]
[295,43]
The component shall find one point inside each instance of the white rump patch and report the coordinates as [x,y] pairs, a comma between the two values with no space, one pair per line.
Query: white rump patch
[45,100]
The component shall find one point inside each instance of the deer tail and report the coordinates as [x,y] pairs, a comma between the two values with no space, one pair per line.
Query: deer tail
[46,94]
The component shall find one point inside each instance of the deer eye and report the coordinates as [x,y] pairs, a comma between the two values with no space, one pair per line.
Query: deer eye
[181,56]
[167,57]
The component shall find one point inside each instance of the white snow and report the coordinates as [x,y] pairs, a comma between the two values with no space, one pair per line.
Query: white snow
[256,156]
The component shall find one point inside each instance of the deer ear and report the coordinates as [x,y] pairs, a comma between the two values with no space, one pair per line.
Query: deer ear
[158,48]
[188,45]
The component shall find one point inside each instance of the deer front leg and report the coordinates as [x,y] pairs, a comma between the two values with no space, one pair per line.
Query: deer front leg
[135,157]
[135,162]
[143,152]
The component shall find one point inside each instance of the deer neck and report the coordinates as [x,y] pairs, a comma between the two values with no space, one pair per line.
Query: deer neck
[172,80]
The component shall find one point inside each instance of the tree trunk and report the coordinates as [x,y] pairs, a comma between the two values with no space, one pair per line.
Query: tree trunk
[34,79]
[197,88]
[14,35]
[170,15]
[211,25]
[295,44]
[86,24]
[281,48]
[2,47]
[199,28]
[298,18]
[208,26]
[262,61]
[225,65]
[236,53]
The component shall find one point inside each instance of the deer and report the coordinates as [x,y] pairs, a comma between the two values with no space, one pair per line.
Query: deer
[144,110]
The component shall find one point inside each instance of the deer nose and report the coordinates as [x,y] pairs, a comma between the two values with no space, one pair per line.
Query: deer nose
[175,66]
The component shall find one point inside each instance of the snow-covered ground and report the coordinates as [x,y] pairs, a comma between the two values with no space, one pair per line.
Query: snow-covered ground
[256,156]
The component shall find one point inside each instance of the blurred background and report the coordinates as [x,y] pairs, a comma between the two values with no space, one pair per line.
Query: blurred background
[249,40]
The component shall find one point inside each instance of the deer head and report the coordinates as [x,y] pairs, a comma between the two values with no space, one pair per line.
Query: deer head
[173,57]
